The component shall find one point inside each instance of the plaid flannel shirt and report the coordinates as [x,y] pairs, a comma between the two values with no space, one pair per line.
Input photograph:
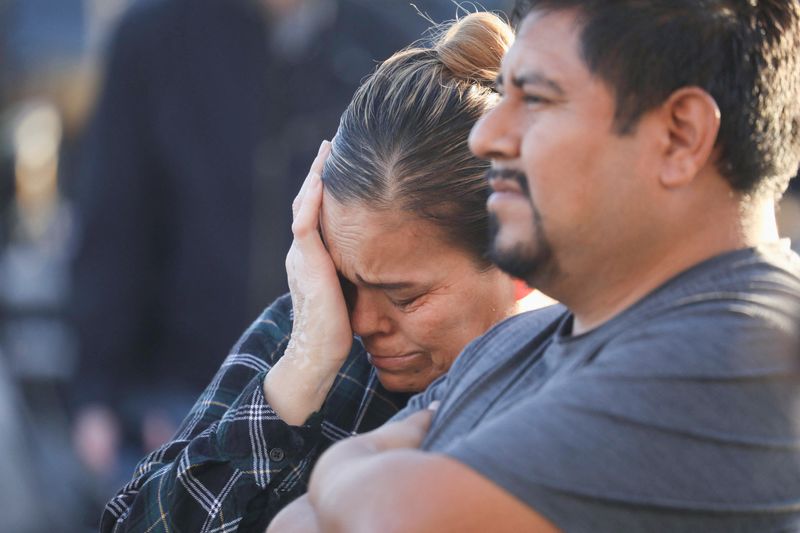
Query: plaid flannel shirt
[233,464]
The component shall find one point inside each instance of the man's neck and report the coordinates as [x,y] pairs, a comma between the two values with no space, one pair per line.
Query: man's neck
[634,276]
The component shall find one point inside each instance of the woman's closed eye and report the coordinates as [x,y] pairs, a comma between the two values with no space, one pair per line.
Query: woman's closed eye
[405,303]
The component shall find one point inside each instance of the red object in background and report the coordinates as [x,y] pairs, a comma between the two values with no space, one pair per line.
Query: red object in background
[521,289]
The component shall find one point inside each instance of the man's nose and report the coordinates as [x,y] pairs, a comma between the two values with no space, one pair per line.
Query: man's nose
[494,135]
[367,314]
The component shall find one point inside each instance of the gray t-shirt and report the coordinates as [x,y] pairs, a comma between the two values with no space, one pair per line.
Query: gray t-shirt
[680,414]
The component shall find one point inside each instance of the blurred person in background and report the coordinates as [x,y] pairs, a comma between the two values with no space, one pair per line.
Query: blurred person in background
[403,260]
[45,88]
[22,481]
[209,112]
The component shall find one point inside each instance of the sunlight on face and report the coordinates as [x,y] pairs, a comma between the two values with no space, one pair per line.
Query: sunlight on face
[564,179]
[415,300]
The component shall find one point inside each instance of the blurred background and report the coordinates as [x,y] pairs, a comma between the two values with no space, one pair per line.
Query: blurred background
[149,152]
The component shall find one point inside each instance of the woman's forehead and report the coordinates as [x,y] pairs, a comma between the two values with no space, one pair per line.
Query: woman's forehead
[379,245]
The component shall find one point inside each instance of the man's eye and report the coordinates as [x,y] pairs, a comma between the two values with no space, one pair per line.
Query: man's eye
[534,99]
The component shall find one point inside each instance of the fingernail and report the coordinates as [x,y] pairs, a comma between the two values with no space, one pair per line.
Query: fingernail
[322,146]
[434,405]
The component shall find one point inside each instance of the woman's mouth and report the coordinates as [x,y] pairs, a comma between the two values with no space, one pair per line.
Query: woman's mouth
[393,363]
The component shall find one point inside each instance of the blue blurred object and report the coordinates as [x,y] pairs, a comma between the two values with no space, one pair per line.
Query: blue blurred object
[44,33]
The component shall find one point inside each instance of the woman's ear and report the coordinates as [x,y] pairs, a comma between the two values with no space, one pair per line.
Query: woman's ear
[692,120]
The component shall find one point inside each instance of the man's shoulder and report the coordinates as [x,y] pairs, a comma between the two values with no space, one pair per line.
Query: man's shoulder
[756,289]
[508,337]
[735,315]
[523,327]
[771,268]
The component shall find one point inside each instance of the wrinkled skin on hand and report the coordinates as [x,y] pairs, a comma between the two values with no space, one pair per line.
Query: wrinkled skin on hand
[321,332]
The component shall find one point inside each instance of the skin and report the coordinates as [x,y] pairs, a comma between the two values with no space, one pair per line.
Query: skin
[414,299]
[619,216]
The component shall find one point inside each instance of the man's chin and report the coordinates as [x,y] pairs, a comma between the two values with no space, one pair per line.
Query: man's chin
[519,261]
[526,255]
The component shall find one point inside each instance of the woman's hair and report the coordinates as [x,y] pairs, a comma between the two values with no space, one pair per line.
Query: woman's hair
[402,141]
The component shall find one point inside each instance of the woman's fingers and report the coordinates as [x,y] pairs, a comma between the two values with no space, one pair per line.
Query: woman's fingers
[322,154]
[306,219]
[315,170]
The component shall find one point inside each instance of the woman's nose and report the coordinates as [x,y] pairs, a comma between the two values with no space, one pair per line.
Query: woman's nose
[367,314]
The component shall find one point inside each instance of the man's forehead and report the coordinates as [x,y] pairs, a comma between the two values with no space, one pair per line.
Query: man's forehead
[545,41]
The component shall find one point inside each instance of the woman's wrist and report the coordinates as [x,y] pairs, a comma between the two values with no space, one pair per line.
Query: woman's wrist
[297,385]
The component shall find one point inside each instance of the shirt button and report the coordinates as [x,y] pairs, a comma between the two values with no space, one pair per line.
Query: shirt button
[276,454]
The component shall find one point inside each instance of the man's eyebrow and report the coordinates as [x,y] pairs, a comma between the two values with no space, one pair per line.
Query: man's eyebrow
[387,286]
[532,78]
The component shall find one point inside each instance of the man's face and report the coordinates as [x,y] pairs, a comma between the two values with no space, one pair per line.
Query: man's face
[567,188]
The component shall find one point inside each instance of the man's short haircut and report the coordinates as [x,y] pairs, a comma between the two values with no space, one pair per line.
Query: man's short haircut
[744,53]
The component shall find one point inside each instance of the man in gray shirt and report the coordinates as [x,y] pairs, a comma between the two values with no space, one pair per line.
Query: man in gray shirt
[678,414]
[638,148]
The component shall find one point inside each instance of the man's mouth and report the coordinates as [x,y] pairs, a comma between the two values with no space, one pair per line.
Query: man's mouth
[503,185]
[506,180]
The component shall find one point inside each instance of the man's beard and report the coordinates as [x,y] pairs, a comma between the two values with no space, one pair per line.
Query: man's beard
[530,259]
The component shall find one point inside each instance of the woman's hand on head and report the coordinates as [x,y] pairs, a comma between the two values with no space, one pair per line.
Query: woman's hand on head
[321,333]
[321,323]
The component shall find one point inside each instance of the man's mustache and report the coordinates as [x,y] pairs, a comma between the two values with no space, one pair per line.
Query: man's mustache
[509,174]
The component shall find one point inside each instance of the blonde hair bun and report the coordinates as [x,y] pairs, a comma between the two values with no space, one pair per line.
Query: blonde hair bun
[472,47]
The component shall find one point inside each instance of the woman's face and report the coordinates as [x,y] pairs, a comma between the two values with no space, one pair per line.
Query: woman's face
[415,300]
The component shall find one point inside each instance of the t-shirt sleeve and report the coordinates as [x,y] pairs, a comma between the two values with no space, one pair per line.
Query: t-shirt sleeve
[435,391]
[641,438]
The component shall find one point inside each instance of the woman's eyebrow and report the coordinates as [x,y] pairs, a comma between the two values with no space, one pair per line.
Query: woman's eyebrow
[386,286]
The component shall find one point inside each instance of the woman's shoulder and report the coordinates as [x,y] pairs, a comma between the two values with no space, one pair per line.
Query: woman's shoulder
[279,311]
[268,335]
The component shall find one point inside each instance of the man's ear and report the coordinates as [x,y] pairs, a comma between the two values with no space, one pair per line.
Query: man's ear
[692,121]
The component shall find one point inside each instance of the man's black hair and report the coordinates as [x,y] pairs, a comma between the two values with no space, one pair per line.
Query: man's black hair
[744,53]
